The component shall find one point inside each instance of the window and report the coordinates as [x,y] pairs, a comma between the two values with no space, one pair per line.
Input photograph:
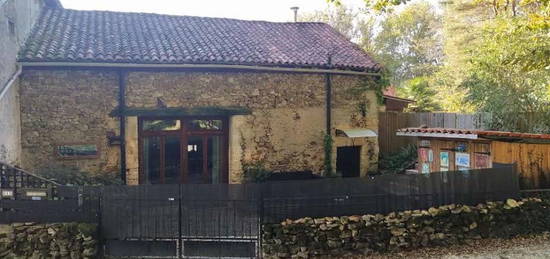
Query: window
[205,125]
[11,27]
[161,125]
[183,150]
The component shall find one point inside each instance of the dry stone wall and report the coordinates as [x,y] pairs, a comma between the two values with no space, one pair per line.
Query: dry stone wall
[445,225]
[60,240]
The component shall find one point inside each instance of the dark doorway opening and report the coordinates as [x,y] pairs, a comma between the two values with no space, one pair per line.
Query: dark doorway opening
[348,161]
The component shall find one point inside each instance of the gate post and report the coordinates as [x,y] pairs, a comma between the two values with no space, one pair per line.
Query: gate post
[180,213]
[260,204]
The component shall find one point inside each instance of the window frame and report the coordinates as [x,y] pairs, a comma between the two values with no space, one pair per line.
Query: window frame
[184,132]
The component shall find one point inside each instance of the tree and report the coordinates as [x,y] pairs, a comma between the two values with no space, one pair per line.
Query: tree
[409,43]
[420,90]
[377,5]
[341,18]
[517,94]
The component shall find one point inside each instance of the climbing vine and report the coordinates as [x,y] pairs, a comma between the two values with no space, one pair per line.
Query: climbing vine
[377,84]
[327,144]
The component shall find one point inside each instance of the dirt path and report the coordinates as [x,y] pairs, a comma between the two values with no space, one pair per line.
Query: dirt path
[520,247]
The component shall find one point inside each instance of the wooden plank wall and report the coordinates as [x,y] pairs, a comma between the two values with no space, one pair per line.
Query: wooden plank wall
[390,122]
[473,148]
[533,162]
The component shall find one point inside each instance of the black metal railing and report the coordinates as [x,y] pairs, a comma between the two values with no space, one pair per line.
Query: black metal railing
[16,183]
[199,218]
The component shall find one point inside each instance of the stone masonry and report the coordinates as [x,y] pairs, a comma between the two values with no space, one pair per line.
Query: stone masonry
[284,130]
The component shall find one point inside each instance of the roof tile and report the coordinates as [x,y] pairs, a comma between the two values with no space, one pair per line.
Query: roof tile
[480,133]
[63,35]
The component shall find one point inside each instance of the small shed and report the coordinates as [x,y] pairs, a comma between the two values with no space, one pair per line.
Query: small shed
[394,103]
[441,149]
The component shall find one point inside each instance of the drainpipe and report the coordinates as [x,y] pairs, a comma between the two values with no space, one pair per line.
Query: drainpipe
[328,99]
[122,119]
[10,82]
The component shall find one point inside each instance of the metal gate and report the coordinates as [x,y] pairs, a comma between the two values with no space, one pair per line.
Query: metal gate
[181,221]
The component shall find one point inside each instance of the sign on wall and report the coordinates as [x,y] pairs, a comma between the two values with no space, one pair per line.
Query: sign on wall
[424,143]
[423,154]
[462,147]
[462,159]
[425,168]
[76,151]
[482,160]
[444,161]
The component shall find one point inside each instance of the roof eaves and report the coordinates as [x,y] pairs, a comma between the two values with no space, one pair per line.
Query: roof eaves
[437,135]
[398,98]
[301,69]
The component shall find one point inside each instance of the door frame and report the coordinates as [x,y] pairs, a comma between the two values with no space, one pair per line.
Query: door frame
[184,134]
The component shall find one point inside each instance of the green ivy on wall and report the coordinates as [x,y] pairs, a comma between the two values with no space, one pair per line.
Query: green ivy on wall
[327,144]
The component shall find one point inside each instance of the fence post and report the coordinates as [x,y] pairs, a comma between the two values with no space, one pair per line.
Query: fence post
[260,204]
[180,214]
[99,217]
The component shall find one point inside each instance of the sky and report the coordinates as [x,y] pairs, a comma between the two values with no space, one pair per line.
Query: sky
[268,10]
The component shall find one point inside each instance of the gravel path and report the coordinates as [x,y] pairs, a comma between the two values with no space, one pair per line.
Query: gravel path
[520,247]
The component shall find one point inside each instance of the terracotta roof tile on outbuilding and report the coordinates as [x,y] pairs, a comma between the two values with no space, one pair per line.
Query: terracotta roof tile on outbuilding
[63,35]
[479,133]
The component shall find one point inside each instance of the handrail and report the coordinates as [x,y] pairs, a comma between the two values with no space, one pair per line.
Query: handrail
[21,172]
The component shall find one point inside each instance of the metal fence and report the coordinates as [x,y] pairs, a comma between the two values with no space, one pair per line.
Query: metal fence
[225,220]
[386,193]
[16,183]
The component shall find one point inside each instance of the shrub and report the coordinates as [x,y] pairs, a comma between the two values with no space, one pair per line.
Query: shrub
[445,225]
[399,161]
[256,172]
[72,176]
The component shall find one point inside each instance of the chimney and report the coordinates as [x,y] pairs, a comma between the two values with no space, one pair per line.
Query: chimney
[295,10]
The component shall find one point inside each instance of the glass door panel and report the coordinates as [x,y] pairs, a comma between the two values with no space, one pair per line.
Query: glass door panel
[151,159]
[214,159]
[172,159]
[195,159]
[182,150]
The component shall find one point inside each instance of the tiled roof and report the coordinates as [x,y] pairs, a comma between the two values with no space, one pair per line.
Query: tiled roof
[479,133]
[63,35]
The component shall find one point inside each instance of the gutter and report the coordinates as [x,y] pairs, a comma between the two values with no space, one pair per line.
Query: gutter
[209,66]
[10,82]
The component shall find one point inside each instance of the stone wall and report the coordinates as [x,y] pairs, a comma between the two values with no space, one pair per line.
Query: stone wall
[60,240]
[23,13]
[68,107]
[361,235]
[284,130]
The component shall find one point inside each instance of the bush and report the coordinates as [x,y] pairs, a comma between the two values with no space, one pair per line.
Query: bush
[399,161]
[256,172]
[445,225]
[72,176]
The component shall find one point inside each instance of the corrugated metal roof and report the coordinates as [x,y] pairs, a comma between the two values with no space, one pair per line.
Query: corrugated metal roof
[356,133]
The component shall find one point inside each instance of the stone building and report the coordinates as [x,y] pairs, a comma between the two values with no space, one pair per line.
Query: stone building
[179,99]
